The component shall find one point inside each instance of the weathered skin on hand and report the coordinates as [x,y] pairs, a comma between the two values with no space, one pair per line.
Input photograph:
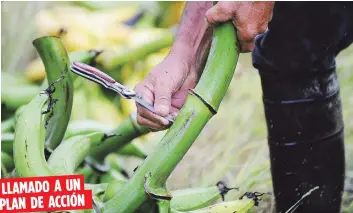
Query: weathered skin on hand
[249,17]
[167,85]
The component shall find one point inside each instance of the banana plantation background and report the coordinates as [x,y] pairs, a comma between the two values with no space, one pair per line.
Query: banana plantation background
[233,145]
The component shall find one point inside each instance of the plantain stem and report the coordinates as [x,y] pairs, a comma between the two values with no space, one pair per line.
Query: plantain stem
[125,133]
[109,60]
[163,206]
[57,65]
[200,106]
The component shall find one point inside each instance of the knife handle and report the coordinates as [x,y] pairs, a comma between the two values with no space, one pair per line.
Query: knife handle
[92,73]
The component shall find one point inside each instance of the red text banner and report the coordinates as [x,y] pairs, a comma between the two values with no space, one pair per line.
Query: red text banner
[52,193]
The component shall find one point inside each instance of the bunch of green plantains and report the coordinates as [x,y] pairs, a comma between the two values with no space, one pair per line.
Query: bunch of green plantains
[39,139]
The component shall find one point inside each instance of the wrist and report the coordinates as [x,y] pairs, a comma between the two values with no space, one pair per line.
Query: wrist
[182,52]
[192,52]
[193,37]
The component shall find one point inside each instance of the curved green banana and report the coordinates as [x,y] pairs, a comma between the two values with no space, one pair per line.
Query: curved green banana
[14,96]
[72,152]
[86,171]
[79,127]
[112,162]
[115,172]
[7,161]
[86,57]
[4,172]
[183,199]
[97,189]
[132,149]
[113,58]
[18,111]
[30,138]
[111,176]
[57,66]
[128,130]
[94,179]
[7,142]
[10,78]
[196,198]
[112,188]
[7,125]
[17,91]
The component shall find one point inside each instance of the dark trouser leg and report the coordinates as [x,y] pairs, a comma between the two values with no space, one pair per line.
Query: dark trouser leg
[296,62]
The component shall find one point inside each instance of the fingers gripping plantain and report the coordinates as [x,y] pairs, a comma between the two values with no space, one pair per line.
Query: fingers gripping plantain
[57,65]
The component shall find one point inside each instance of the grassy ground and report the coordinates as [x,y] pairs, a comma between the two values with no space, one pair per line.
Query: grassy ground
[233,145]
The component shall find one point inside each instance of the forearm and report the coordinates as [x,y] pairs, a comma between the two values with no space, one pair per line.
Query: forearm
[194,35]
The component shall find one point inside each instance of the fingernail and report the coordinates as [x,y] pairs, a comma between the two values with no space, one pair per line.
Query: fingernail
[174,114]
[165,121]
[170,117]
[162,110]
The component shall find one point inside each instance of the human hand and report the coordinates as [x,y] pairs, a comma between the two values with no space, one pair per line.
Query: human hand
[166,87]
[250,19]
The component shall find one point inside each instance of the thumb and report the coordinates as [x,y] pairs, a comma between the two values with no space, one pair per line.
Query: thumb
[218,13]
[162,99]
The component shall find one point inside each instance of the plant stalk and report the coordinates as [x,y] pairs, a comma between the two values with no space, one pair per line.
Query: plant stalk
[201,105]
[125,133]
[57,66]
[111,60]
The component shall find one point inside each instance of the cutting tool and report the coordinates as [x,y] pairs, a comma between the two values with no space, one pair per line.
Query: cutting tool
[93,74]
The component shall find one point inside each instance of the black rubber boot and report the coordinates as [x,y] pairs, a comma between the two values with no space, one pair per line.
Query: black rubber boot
[305,134]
